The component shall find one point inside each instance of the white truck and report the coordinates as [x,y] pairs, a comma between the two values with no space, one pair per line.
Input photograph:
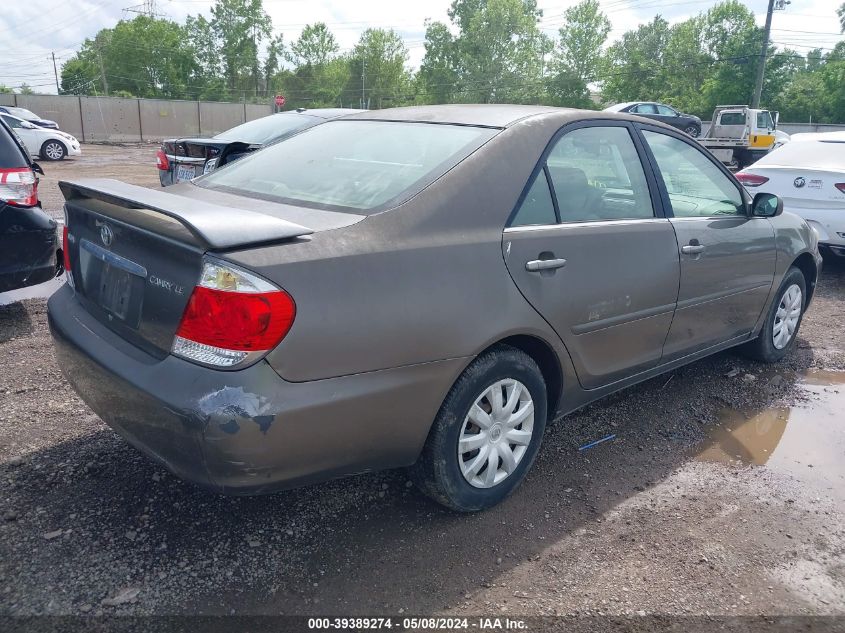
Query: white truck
[739,135]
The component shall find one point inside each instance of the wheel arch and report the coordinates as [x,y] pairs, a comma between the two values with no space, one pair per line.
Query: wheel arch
[547,360]
[806,263]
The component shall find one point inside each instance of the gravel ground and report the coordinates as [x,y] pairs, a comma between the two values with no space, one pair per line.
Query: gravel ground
[661,519]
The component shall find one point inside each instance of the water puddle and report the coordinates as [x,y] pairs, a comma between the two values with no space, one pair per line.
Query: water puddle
[806,441]
[39,291]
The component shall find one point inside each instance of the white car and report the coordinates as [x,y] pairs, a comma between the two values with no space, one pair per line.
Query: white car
[808,174]
[42,142]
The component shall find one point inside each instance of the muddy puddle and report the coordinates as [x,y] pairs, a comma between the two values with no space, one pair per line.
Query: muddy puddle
[805,441]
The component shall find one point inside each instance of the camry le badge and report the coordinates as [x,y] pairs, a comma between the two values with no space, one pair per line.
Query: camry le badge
[106,235]
[798,182]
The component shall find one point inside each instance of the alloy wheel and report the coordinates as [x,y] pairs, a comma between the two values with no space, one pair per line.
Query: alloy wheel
[54,151]
[496,433]
[787,316]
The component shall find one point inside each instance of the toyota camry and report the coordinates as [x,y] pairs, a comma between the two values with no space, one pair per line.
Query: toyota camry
[419,287]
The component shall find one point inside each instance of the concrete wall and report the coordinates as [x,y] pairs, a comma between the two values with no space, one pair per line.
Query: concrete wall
[97,119]
[165,119]
[132,120]
[217,117]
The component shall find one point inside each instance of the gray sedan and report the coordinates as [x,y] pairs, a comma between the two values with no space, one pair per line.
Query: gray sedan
[422,287]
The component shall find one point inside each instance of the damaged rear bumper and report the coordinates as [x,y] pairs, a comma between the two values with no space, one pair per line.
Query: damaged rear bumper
[248,431]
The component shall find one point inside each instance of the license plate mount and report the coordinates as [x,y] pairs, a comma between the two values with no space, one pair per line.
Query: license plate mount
[185,172]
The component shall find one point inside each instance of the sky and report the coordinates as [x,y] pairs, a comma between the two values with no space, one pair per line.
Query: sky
[30,30]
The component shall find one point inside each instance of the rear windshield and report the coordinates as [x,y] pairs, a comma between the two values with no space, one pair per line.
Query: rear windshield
[351,165]
[268,128]
[821,154]
[11,151]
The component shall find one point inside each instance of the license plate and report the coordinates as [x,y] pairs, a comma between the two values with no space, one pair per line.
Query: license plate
[115,290]
[185,172]
[112,282]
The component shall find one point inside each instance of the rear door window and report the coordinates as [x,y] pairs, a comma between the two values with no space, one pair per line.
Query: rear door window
[646,108]
[596,174]
[537,208]
[666,110]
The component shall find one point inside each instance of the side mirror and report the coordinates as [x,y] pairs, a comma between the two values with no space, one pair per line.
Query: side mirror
[37,169]
[776,119]
[766,205]
[28,126]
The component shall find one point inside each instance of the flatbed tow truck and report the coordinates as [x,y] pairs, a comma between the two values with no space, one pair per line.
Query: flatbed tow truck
[740,135]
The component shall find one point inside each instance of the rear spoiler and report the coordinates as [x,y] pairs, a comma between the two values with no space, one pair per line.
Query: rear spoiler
[214,226]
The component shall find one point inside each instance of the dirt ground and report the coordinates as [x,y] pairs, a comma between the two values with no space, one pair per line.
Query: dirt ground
[722,493]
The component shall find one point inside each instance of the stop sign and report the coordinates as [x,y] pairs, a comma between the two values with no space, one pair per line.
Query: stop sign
[280,100]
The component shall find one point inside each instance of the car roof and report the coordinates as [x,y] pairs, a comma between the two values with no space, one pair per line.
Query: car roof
[325,113]
[485,115]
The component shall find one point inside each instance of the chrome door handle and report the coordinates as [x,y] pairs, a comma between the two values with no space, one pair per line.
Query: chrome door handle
[692,249]
[544,264]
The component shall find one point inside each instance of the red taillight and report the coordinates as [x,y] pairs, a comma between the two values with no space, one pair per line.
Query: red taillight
[751,180]
[231,315]
[162,161]
[65,249]
[840,186]
[19,187]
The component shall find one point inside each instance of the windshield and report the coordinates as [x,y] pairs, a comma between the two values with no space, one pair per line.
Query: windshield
[269,128]
[350,165]
[23,113]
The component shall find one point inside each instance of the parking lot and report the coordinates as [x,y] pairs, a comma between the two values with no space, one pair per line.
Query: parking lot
[722,493]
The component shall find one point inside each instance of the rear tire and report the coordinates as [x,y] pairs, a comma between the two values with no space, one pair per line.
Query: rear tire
[692,131]
[783,320]
[487,433]
[53,150]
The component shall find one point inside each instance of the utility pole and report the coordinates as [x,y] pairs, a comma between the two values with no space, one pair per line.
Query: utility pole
[102,72]
[761,65]
[363,79]
[55,72]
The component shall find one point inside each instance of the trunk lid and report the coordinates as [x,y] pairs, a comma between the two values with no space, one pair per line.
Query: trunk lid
[137,253]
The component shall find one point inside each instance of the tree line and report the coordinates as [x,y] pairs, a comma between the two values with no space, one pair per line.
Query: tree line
[490,51]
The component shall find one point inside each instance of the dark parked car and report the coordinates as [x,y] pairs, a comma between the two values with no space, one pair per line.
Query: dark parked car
[420,287]
[28,238]
[183,159]
[689,123]
[29,115]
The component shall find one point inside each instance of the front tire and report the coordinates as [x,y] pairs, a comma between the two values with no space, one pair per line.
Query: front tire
[53,150]
[783,320]
[487,433]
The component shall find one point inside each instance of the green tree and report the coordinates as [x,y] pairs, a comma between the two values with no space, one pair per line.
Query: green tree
[498,54]
[4,90]
[732,39]
[636,63]
[240,26]
[841,13]
[578,58]
[377,69]
[437,77]
[25,89]
[316,45]
[145,56]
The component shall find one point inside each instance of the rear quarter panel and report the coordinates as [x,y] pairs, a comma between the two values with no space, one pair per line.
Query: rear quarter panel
[425,281]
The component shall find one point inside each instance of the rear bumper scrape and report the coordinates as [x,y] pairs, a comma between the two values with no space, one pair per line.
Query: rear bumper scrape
[248,431]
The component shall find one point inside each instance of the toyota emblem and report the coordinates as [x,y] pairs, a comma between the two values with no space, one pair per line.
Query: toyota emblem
[799,182]
[106,235]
